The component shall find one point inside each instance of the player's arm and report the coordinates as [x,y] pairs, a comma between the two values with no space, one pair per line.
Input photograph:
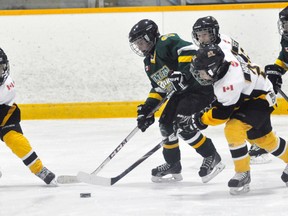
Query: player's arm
[274,73]
[282,60]
[143,110]
[184,53]
[219,112]
[217,115]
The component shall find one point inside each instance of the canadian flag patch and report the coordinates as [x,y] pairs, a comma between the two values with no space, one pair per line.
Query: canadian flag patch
[228,88]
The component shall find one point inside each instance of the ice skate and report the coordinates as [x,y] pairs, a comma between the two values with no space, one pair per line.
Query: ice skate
[211,167]
[239,184]
[47,176]
[173,170]
[259,155]
[284,175]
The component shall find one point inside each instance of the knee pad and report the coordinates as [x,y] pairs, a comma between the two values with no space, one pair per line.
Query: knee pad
[236,131]
[17,143]
[166,130]
[21,147]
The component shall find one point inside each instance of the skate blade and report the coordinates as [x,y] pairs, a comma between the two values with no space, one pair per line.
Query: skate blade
[217,169]
[262,159]
[240,190]
[173,178]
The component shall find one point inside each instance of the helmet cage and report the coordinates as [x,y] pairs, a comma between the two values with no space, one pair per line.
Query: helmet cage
[283,28]
[142,45]
[143,37]
[212,32]
[205,76]
[4,67]
[206,67]
[4,72]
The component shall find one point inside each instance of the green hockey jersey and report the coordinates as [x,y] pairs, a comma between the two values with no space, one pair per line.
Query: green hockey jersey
[282,59]
[171,54]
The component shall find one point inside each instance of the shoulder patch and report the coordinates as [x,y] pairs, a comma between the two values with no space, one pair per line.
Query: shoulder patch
[164,37]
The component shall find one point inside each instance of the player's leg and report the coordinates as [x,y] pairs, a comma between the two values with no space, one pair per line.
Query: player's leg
[212,164]
[235,133]
[11,134]
[21,147]
[258,155]
[278,147]
[171,169]
[264,137]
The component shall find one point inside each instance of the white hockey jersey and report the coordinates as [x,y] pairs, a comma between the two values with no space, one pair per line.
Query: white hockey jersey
[7,92]
[243,81]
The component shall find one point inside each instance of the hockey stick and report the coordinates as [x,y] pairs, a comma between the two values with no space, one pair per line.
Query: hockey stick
[66,179]
[98,180]
[282,94]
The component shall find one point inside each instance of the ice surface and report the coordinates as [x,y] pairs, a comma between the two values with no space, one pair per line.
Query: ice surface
[69,146]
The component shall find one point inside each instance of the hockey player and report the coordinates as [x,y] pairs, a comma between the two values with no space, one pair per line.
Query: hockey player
[167,60]
[206,31]
[245,100]
[10,129]
[276,70]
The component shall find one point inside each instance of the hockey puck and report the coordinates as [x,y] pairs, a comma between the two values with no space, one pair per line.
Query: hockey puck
[85,195]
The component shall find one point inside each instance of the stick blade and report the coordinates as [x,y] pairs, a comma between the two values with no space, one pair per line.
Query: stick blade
[67,179]
[93,179]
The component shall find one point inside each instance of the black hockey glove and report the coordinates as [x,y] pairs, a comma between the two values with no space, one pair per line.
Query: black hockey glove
[191,123]
[177,80]
[143,121]
[274,74]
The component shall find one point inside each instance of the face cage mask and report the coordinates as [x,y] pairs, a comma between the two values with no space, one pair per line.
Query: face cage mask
[200,80]
[211,32]
[145,43]
[4,72]
[283,28]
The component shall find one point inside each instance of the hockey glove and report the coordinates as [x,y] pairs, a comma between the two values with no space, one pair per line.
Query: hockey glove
[143,121]
[274,74]
[177,80]
[191,123]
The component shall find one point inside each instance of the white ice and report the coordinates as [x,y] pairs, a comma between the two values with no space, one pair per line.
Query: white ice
[69,146]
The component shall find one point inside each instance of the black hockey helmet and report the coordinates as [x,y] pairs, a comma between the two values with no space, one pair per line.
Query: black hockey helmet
[143,37]
[4,67]
[206,25]
[206,67]
[283,23]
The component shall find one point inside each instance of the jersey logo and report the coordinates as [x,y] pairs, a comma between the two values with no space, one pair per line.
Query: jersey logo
[10,86]
[160,78]
[164,37]
[234,64]
[228,88]
[286,49]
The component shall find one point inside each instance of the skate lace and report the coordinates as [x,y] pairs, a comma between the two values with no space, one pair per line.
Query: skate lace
[207,162]
[240,176]
[163,167]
